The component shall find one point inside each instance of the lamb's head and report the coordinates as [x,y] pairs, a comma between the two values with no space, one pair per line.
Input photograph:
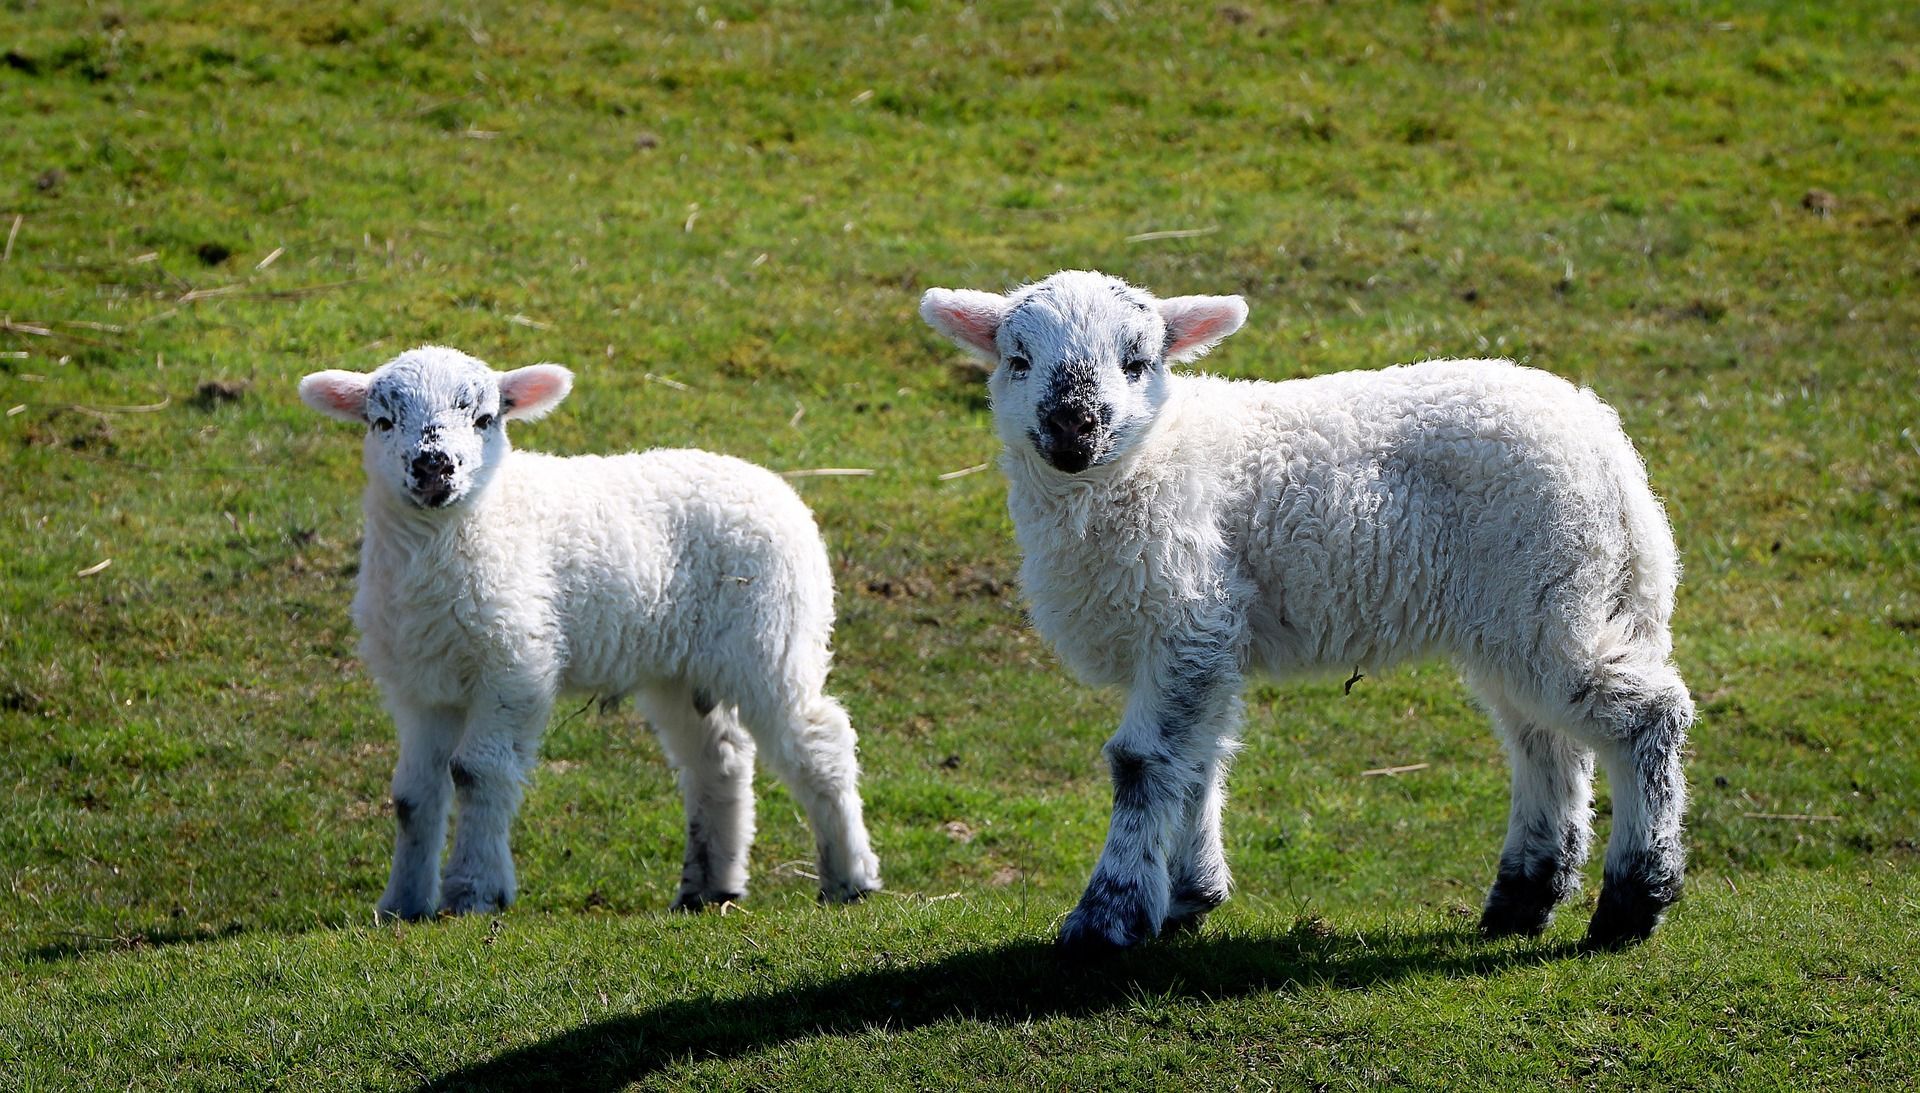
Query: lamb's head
[434,418]
[1080,359]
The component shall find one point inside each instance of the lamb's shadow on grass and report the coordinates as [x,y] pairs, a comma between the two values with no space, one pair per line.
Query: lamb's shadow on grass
[1005,984]
[81,946]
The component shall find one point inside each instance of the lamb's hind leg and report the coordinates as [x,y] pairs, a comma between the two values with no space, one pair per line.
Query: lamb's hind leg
[806,738]
[1639,719]
[713,757]
[1548,830]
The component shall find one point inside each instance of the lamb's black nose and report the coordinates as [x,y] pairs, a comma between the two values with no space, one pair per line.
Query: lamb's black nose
[1073,424]
[432,467]
[1070,438]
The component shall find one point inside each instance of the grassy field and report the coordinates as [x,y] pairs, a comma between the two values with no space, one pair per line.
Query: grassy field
[721,217]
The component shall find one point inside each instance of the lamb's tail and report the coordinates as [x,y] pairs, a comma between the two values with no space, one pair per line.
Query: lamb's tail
[1638,624]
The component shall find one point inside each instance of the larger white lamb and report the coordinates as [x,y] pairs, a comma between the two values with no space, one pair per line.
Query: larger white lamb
[1180,530]
[492,580]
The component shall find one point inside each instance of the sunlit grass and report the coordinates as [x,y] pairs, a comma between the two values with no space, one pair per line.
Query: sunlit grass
[721,217]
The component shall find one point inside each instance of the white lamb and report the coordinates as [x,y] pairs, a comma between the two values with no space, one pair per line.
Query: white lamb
[1179,530]
[491,580]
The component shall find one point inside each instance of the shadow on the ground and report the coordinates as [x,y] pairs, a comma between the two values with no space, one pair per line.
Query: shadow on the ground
[81,945]
[1006,983]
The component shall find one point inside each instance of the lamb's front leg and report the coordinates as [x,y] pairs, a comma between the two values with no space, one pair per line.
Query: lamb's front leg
[421,790]
[1199,870]
[1163,760]
[489,770]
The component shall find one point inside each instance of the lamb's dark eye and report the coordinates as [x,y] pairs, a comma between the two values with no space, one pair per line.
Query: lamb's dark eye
[1017,366]
[384,424]
[483,422]
[1136,368]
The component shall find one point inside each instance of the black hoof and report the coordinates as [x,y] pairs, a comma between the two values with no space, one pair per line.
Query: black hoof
[1512,920]
[1095,935]
[844,896]
[1088,947]
[695,902]
[474,903]
[383,916]
[1614,928]
[1518,907]
[1190,909]
[1629,910]
[1188,923]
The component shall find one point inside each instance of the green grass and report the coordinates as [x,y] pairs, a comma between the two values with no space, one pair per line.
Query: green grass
[747,200]
[918,994]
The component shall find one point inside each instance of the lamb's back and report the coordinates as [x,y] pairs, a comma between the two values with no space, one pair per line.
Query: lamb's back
[671,555]
[1390,511]
[603,571]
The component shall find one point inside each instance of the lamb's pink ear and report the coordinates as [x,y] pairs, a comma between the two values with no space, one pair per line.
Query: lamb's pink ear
[968,317]
[1196,324]
[337,394]
[528,393]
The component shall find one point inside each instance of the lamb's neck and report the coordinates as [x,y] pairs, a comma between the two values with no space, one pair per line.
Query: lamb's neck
[1158,514]
[391,519]
[402,538]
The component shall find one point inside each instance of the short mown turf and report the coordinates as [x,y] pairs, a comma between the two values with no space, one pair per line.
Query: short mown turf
[722,216]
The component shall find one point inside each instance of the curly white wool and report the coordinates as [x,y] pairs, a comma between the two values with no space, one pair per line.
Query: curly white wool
[493,580]
[1179,530]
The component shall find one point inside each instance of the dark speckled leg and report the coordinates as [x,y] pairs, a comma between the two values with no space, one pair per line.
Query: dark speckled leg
[1547,832]
[713,758]
[1163,761]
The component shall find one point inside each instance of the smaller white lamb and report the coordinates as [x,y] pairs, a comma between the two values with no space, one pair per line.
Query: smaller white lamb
[492,580]
[1182,530]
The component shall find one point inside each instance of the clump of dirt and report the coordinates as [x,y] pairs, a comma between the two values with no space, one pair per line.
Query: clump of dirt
[66,429]
[1706,311]
[18,699]
[958,582]
[895,588]
[974,583]
[1313,926]
[213,393]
